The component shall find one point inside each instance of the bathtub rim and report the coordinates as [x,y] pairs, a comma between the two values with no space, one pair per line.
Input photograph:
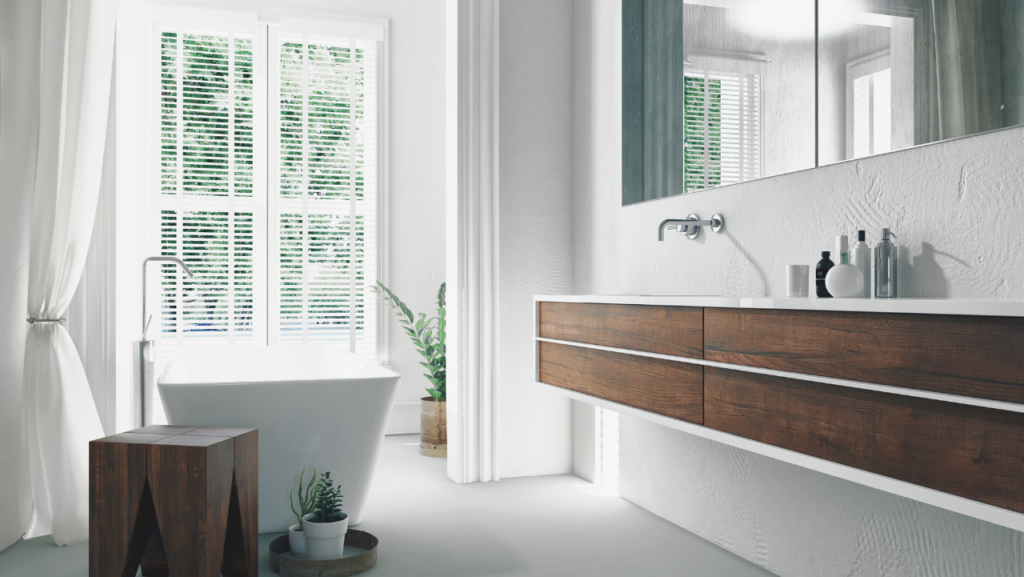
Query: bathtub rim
[368,370]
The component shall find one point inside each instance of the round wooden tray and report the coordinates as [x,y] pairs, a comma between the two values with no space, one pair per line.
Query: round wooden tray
[290,566]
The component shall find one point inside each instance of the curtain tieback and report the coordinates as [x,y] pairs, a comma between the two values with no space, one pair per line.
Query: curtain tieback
[33,320]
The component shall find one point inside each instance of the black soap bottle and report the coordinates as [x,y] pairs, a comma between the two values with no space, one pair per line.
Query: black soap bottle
[820,271]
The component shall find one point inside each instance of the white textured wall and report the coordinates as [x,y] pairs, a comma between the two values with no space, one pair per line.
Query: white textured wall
[957,207]
[535,212]
[19,114]
[417,141]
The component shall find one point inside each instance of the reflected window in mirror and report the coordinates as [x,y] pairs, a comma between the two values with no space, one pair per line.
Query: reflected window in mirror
[715,92]
[764,51]
[869,107]
[722,121]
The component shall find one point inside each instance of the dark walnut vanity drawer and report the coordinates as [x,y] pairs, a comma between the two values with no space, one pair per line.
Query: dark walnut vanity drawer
[973,452]
[677,331]
[961,355]
[668,388]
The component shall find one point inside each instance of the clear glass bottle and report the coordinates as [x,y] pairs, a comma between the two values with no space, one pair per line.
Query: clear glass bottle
[885,267]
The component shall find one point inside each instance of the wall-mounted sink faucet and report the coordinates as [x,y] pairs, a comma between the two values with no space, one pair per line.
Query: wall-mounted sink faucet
[690,226]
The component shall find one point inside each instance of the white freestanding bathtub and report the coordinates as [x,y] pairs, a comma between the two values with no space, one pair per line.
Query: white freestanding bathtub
[315,406]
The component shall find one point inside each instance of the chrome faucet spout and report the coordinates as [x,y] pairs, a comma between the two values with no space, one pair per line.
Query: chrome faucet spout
[670,223]
[690,226]
[145,324]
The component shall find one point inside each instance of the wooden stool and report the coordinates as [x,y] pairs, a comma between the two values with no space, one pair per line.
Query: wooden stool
[179,501]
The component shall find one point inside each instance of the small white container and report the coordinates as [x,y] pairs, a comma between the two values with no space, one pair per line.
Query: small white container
[325,541]
[797,279]
[297,541]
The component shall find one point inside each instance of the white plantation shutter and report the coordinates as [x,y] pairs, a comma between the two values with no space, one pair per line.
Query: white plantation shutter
[263,179]
[325,201]
[722,123]
[209,213]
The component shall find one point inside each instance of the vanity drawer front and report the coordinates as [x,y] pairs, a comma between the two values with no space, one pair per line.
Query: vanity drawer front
[669,388]
[973,452]
[961,355]
[677,331]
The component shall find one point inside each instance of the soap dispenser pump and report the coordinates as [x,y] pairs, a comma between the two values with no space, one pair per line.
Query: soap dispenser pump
[860,257]
[885,267]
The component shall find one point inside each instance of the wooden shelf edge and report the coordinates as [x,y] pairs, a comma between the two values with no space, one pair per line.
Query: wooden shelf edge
[974,509]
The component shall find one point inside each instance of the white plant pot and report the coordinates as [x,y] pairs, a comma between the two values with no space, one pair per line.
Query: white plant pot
[325,541]
[297,541]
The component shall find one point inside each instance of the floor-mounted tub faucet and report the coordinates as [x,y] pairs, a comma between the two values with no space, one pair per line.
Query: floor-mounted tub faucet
[144,354]
[690,226]
[145,321]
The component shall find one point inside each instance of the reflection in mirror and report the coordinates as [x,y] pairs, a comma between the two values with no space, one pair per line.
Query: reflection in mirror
[715,92]
[899,73]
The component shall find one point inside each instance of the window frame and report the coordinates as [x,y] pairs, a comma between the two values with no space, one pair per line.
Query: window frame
[133,142]
[859,68]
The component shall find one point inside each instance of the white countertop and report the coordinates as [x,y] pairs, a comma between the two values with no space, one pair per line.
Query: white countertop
[975,307]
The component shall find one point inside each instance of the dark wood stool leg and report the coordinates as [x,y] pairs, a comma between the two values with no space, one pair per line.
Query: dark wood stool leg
[191,486]
[120,510]
[154,563]
[241,548]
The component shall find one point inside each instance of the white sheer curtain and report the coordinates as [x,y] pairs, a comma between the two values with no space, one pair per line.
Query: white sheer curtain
[19,75]
[59,416]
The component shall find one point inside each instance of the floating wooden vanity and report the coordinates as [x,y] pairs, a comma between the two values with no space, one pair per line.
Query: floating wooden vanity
[921,398]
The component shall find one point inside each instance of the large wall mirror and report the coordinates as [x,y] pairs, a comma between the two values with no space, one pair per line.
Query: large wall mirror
[716,92]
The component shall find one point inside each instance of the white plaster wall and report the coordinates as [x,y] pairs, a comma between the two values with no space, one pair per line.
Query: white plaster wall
[535,212]
[957,208]
[19,115]
[416,145]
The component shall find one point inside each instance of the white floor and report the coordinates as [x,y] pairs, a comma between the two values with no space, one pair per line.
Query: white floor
[429,526]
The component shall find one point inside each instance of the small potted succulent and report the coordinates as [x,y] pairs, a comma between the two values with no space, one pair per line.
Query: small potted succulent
[326,526]
[428,336]
[307,502]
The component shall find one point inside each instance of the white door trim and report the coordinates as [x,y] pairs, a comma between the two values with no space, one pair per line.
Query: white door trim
[471,243]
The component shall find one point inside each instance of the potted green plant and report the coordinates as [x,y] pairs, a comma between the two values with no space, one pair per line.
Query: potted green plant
[326,526]
[307,502]
[428,336]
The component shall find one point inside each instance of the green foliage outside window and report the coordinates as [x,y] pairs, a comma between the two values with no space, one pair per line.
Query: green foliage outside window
[703,130]
[207,149]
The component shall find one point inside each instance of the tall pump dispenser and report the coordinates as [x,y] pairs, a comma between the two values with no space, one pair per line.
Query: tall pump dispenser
[885,267]
[860,257]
